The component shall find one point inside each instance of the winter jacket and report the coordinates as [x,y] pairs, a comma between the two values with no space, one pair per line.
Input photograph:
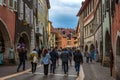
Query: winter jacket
[65,56]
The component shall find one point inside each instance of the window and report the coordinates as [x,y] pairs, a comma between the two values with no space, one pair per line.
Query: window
[107,5]
[15,5]
[68,42]
[117,1]
[113,8]
[4,2]
[10,3]
[63,32]
[1,2]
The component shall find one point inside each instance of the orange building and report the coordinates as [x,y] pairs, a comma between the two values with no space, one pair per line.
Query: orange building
[65,38]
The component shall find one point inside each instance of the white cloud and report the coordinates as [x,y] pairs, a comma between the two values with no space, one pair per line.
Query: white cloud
[64,7]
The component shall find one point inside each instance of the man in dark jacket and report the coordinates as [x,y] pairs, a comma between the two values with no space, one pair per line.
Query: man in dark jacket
[54,57]
[65,59]
[78,58]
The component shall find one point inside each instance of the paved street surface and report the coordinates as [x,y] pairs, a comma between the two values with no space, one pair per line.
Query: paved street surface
[92,71]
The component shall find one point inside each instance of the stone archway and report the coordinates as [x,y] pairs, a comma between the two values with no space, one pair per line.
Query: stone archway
[92,47]
[108,44]
[118,58]
[24,38]
[86,48]
[5,41]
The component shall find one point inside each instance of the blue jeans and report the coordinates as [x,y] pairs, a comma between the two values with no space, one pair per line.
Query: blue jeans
[65,66]
[22,61]
[53,67]
[77,67]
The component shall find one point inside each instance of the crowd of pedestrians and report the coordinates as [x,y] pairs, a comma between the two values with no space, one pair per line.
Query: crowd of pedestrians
[51,58]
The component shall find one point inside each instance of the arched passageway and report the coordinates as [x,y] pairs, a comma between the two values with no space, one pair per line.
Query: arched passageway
[108,44]
[86,48]
[92,47]
[118,58]
[5,42]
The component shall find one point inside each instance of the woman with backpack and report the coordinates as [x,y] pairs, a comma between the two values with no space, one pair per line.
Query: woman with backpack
[34,60]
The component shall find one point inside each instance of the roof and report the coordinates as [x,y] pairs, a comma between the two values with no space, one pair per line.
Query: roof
[66,32]
[48,4]
[84,4]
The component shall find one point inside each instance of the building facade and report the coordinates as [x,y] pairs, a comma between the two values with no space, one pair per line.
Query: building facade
[98,30]
[24,24]
[66,38]
[53,37]
[87,12]
[7,27]
[106,30]
[78,35]
[81,29]
[116,37]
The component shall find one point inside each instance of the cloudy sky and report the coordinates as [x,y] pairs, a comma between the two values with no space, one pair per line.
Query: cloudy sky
[63,13]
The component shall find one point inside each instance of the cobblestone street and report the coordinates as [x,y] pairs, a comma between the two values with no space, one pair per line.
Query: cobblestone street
[92,71]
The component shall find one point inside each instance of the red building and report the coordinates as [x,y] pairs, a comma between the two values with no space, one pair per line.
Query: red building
[7,26]
[116,37]
[66,38]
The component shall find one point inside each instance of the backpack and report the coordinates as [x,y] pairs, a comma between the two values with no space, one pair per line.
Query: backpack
[78,57]
[35,60]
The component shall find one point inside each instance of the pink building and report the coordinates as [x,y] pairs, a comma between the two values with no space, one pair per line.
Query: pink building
[7,26]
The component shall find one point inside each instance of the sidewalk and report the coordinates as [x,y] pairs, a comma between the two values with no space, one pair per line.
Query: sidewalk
[95,71]
[11,69]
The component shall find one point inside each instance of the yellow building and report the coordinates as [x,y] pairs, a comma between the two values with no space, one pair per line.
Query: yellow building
[42,23]
[53,37]
[49,33]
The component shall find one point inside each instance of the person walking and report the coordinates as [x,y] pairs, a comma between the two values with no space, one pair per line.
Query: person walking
[78,59]
[22,58]
[70,56]
[34,60]
[65,59]
[92,57]
[11,56]
[111,62]
[54,58]
[87,57]
[45,60]
[96,55]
